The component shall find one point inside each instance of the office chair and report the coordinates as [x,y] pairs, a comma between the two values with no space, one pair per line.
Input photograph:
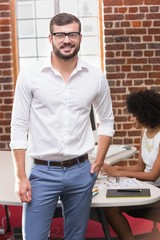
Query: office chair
[96,214]
[152,214]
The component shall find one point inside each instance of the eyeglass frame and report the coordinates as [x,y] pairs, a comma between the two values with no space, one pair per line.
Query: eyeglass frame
[65,34]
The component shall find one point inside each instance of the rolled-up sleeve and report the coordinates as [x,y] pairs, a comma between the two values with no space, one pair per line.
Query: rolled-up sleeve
[103,108]
[20,113]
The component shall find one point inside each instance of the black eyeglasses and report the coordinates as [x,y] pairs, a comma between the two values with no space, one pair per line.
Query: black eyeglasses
[61,35]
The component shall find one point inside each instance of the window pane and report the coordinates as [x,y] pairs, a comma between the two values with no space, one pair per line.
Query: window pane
[45,8]
[25,10]
[42,27]
[27,48]
[89,26]
[90,46]
[88,8]
[70,6]
[26,61]
[94,60]
[26,28]
[44,47]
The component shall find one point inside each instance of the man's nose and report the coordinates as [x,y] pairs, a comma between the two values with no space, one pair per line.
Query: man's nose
[66,39]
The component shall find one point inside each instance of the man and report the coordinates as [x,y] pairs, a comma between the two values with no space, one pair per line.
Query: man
[51,121]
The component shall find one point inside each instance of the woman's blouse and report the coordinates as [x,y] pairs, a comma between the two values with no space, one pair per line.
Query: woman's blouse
[149,152]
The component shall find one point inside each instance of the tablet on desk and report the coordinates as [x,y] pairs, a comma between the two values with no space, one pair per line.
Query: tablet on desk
[130,192]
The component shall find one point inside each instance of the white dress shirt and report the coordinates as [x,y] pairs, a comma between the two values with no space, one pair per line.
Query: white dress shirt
[50,117]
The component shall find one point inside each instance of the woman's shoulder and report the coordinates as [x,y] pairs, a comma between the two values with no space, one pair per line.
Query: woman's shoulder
[143,133]
[157,137]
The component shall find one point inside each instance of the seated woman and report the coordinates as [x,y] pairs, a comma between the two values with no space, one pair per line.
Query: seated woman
[145,109]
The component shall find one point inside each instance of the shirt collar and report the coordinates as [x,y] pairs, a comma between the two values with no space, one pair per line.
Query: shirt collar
[47,64]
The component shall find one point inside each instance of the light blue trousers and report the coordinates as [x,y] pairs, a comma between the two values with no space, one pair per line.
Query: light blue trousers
[74,187]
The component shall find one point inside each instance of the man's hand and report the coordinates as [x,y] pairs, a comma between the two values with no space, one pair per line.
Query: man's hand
[95,168]
[23,190]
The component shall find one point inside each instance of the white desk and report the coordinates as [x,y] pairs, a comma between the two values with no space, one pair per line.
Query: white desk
[116,153]
[100,200]
[8,197]
[7,193]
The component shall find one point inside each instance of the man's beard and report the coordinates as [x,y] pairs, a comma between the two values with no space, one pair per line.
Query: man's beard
[63,56]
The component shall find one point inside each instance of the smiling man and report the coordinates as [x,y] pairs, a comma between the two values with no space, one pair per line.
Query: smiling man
[50,120]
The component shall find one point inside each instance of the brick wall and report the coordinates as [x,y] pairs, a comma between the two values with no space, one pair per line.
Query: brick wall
[6,73]
[132,53]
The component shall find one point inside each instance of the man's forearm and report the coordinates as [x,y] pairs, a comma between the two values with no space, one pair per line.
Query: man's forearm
[102,148]
[19,162]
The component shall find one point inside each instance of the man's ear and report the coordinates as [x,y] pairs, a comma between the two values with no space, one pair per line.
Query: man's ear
[50,38]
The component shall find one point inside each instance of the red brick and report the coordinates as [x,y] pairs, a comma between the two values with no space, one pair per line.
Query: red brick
[5,50]
[137,75]
[131,2]
[143,9]
[126,53]
[107,10]
[133,9]
[154,9]
[125,24]
[156,68]
[148,38]
[116,76]
[114,32]
[4,21]
[148,53]
[153,16]
[115,47]
[113,17]
[136,31]
[137,61]
[141,68]
[156,23]
[113,2]
[154,74]
[115,61]
[5,65]
[154,31]
[147,23]
[152,2]
[4,1]
[4,7]
[136,24]
[126,68]
[121,10]
[138,53]
[134,16]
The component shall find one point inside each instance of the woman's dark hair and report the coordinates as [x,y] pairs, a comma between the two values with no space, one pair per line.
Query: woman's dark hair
[145,105]
[62,19]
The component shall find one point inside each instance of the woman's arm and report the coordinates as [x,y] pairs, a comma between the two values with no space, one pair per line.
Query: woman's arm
[124,171]
[141,175]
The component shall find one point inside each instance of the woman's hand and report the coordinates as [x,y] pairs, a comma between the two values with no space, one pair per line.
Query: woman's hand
[110,170]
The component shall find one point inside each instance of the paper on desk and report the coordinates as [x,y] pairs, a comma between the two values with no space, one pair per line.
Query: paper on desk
[104,182]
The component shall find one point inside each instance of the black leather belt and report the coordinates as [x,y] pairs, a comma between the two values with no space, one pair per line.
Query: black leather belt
[65,163]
